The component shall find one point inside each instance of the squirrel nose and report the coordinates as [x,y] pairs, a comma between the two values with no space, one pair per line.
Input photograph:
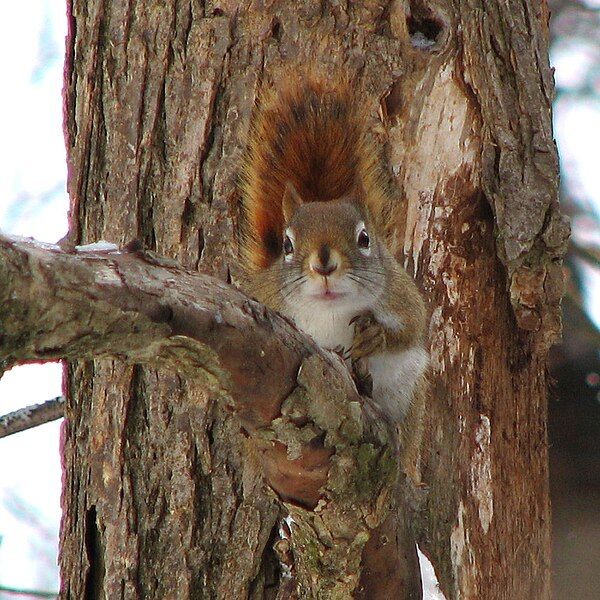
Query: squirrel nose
[323,270]
[323,265]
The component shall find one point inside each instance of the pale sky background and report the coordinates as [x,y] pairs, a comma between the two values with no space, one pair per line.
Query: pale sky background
[33,202]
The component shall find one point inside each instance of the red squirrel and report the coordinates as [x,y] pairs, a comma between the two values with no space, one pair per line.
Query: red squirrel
[313,200]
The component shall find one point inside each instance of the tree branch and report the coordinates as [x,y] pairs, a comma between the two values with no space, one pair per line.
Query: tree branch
[30,593]
[31,416]
[324,450]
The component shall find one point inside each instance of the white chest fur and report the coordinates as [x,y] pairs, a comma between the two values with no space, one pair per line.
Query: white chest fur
[329,327]
[394,377]
[394,374]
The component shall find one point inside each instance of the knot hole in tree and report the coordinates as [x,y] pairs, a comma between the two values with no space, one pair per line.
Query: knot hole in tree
[426,26]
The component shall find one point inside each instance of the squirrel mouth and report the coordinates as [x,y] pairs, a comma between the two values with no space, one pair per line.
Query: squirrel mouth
[328,294]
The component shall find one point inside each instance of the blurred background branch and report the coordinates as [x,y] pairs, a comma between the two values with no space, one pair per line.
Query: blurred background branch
[574,403]
[31,416]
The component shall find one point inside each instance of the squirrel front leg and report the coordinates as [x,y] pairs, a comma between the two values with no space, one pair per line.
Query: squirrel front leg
[396,324]
[372,337]
[373,345]
[369,337]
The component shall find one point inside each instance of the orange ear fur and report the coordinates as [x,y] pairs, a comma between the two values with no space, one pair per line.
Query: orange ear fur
[291,201]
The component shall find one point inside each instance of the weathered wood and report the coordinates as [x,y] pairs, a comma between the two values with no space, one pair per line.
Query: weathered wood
[471,142]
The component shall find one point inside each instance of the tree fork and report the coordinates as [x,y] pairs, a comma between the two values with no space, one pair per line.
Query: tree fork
[325,451]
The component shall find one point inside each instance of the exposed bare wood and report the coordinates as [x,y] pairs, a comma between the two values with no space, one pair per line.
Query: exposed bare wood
[471,143]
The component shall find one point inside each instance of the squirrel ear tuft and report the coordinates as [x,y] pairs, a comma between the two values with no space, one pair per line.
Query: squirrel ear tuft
[291,201]
[358,193]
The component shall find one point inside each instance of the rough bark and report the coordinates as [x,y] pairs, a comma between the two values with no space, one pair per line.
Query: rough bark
[158,100]
[471,141]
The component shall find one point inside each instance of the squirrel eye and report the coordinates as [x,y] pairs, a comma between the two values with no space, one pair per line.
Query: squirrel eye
[363,240]
[288,247]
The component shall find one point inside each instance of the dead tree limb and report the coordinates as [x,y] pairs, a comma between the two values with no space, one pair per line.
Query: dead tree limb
[31,416]
[323,449]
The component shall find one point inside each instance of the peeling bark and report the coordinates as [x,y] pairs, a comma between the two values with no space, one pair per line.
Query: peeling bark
[471,143]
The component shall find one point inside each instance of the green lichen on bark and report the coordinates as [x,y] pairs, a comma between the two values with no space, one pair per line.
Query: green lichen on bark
[328,542]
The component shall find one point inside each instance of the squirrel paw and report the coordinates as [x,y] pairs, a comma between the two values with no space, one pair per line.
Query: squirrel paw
[341,352]
[369,337]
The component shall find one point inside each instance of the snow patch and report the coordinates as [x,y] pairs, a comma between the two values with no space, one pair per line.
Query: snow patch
[19,239]
[431,586]
[99,246]
[421,41]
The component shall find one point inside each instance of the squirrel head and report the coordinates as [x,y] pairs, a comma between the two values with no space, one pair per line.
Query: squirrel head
[330,252]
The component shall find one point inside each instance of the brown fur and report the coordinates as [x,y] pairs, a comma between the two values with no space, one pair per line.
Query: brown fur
[310,134]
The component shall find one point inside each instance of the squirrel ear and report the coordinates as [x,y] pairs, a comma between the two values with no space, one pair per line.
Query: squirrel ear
[356,195]
[291,201]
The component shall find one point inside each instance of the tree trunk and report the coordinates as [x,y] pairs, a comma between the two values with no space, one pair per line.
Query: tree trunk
[161,499]
[471,141]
